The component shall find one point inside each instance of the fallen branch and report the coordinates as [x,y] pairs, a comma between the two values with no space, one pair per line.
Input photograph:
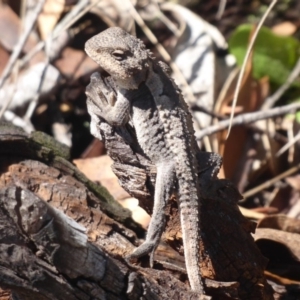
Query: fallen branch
[248,118]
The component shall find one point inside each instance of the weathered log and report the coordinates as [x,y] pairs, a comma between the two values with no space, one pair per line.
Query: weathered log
[14,142]
[46,255]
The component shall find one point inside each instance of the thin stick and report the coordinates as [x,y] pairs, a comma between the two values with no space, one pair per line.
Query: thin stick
[15,74]
[18,48]
[250,47]
[247,118]
[271,182]
[66,26]
[295,139]
[221,9]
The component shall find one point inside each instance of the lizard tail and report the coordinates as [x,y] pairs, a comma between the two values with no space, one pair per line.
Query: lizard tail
[189,218]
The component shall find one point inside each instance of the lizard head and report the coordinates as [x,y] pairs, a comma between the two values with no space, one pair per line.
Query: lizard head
[121,55]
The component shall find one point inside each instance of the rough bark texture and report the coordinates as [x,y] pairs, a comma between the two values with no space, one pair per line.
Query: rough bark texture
[64,237]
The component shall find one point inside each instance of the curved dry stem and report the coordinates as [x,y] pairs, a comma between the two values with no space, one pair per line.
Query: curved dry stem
[250,47]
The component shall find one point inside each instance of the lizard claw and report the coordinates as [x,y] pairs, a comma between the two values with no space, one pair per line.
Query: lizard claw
[143,249]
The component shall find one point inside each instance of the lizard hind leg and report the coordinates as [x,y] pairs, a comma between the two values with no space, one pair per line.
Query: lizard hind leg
[163,188]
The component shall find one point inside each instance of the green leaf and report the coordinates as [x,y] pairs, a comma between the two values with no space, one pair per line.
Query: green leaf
[274,56]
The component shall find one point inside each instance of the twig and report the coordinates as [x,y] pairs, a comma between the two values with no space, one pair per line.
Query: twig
[80,9]
[68,22]
[33,103]
[295,139]
[77,9]
[250,47]
[221,9]
[14,80]
[247,118]
[18,48]
[271,182]
[270,101]
[208,112]
[77,12]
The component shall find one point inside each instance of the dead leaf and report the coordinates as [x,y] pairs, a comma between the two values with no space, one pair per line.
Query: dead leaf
[285,28]
[99,169]
[10,31]
[75,63]
[94,149]
[282,250]
[290,241]
[280,222]
[235,149]
[4,58]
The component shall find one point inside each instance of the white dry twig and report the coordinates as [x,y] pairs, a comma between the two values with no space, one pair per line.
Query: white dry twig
[18,48]
[247,118]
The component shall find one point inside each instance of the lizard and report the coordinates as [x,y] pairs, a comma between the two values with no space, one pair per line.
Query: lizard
[146,96]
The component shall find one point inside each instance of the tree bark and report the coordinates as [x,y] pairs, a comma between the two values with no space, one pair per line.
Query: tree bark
[64,237]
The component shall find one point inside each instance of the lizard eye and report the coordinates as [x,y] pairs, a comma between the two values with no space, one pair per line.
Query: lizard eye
[119,54]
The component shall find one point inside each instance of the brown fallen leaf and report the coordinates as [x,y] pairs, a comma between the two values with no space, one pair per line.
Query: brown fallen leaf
[99,169]
[5,294]
[75,63]
[10,32]
[290,240]
[94,149]
[4,58]
[280,222]
[234,150]
[10,29]
[282,249]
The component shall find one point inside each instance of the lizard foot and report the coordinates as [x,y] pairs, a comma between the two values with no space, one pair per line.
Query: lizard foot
[101,94]
[144,249]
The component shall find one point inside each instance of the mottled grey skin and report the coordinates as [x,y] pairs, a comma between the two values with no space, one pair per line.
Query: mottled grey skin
[164,131]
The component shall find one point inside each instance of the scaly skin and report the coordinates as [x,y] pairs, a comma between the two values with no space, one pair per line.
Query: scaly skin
[164,131]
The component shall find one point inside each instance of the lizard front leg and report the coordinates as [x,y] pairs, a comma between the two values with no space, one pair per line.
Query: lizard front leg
[104,103]
[163,188]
